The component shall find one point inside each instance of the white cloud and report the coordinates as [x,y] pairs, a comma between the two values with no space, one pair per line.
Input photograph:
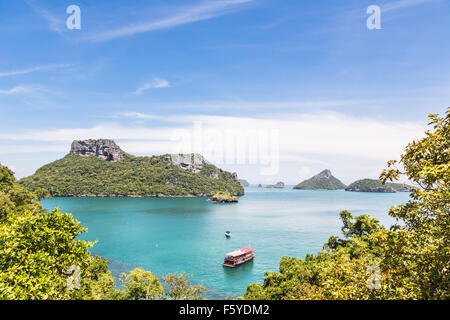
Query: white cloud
[204,11]
[155,84]
[303,138]
[404,4]
[270,106]
[138,115]
[34,69]
[16,90]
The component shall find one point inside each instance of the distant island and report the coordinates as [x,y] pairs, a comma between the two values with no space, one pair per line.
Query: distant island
[278,185]
[99,168]
[373,185]
[322,181]
[244,182]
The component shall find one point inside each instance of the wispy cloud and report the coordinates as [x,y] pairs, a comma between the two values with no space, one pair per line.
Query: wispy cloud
[138,115]
[155,84]
[404,4]
[34,69]
[15,90]
[264,107]
[55,23]
[204,11]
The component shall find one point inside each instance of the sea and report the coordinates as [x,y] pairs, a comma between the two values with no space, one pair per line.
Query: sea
[168,235]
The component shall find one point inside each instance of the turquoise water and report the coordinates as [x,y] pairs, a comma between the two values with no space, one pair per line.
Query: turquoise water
[167,235]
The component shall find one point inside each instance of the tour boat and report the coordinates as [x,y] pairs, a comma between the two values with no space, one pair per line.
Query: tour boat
[227,234]
[238,257]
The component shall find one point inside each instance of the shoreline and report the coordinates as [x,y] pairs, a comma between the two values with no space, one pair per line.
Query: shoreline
[137,196]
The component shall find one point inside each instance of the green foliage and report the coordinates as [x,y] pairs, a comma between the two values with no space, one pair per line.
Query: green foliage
[221,196]
[137,176]
[140,284]
[412,257]
[372,185]
[180,287]
[37,247]
[42,193]
[424,235]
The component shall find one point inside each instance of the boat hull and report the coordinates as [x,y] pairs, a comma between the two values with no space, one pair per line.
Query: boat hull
[238,263]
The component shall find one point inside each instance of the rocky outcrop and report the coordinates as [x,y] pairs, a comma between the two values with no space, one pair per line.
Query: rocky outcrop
[322,181]
[325,174]
[278,185]
[103,149]
[193,162]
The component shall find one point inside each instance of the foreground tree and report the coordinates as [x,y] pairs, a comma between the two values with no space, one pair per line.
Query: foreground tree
[180,287]
[41,257]
[409,261]
[39,252]
[422,243]
[140,284]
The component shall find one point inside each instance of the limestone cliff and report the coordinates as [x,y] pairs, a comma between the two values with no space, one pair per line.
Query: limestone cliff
[103,149]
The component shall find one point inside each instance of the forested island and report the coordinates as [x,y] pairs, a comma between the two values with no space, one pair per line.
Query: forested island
[326,181]
[372,185]
[97,168]
[322,181]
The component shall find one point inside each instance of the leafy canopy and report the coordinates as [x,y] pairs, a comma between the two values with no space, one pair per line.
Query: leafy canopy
[39,253]
[139,176]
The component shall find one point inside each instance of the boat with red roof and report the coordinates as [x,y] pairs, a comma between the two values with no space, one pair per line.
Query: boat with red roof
[237,257]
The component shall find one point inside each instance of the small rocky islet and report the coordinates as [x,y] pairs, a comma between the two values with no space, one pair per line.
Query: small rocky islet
[278,185]
[223,197]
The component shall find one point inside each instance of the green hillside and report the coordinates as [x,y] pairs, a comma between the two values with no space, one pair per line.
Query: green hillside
[322,181]
[76,175]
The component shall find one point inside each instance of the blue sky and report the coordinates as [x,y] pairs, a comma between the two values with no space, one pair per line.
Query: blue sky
[338,95]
